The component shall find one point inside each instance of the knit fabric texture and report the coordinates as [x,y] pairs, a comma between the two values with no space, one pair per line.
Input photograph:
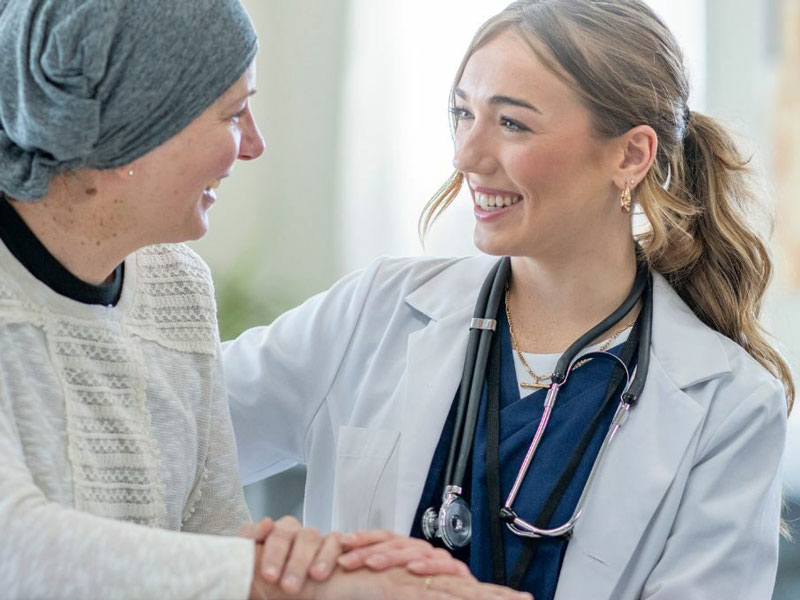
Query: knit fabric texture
[117,412]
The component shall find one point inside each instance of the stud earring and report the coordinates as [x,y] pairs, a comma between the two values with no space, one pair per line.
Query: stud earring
[131,173]
[625,198]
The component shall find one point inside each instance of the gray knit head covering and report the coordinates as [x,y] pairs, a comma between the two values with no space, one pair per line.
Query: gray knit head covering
[99,83]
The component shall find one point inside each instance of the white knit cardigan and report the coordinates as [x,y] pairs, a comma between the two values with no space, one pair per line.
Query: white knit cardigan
[115,436]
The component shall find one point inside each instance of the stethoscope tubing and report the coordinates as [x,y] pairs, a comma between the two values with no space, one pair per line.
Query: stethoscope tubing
[637,292]
[479,373]
[469,367]
[519,525]
[628,398]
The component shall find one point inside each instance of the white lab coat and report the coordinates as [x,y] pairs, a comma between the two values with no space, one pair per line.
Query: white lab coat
[357,382]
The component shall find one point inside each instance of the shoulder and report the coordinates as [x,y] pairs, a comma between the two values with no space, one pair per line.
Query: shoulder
[171,261]
[725,382]
[430,285]
[387,293]
[746,396]
[410,274]
[174,302]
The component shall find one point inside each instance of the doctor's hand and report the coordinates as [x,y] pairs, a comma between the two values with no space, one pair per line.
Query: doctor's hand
[398,584]
[380,550]
[289,553]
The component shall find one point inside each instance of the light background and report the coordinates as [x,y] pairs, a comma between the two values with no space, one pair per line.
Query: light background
[353,105]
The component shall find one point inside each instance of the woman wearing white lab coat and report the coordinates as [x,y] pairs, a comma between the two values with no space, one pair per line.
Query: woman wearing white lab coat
[554,143]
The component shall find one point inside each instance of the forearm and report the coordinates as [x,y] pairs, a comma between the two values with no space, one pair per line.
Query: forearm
[52,552]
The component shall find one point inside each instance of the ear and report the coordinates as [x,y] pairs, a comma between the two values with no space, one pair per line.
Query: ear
[638,152]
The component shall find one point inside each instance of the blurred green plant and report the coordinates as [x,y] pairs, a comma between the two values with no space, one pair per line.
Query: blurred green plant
[240,305]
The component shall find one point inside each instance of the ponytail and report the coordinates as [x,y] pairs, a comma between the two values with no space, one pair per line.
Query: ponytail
[700,241]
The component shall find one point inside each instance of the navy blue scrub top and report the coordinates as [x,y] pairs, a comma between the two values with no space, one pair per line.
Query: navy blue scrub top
[576,405]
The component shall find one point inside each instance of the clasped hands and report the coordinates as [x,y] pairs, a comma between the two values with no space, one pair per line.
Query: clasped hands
[295,561]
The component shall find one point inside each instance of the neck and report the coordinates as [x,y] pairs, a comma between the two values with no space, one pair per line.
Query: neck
[554,302]
[82,233]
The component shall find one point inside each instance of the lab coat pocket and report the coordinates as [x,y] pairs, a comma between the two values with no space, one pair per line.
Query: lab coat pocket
[365,482]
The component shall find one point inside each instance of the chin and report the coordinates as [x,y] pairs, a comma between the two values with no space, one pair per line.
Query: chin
[199,232]
[491,245]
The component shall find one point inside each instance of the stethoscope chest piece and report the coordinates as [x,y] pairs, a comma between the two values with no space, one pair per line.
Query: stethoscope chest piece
[453,521]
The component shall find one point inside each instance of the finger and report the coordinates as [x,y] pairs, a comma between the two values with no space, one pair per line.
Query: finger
[263,528]
[440,566]
[307,543]
[359,539]
[277,548]
[257,531]
[356,559]
[325,561]
[398,558]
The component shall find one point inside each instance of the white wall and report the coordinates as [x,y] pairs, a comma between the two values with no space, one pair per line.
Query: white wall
[276,219]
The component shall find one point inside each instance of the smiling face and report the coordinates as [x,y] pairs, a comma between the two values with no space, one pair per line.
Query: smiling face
[176,182]
[539,175]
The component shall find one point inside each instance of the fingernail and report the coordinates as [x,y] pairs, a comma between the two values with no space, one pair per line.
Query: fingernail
[321,567]
[291,583]
[346,560]
[349,538]
[416,565]
[271,573]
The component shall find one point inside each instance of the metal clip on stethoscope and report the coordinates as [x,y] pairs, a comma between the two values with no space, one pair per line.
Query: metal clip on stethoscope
[452,522]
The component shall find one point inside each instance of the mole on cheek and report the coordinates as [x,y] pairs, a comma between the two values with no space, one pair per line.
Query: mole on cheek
[92,191]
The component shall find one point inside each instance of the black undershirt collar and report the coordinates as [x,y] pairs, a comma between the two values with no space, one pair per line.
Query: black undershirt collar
[29,251]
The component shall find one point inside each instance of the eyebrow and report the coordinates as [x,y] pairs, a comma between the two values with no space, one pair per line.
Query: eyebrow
[507,100]
[239,99]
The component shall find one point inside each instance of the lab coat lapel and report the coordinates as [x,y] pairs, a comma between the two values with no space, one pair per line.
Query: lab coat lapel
[636,472]
[645,456]
[435,361]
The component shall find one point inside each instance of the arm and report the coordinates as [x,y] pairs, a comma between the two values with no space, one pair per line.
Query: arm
[216,504]
[278,376]
[724,543]
[51,551]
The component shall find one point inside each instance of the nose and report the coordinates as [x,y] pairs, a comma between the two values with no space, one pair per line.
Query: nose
[473,153]
[252,144]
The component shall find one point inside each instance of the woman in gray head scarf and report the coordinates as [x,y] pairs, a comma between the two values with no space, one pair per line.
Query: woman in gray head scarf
[118,120]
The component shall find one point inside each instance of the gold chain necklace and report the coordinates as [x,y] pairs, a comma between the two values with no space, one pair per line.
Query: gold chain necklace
[543,381]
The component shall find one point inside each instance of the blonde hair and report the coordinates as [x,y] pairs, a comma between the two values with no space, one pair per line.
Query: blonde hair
[626,66]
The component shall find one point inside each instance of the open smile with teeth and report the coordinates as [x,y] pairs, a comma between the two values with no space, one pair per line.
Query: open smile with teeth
[489,202]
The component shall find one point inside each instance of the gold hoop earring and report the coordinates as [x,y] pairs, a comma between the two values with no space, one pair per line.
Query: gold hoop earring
[625,198]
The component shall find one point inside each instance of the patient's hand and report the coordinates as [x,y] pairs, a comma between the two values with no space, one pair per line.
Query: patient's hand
[289,553]
[379,550]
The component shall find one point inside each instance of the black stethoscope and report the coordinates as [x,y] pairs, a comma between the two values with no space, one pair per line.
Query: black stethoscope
[452,522]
